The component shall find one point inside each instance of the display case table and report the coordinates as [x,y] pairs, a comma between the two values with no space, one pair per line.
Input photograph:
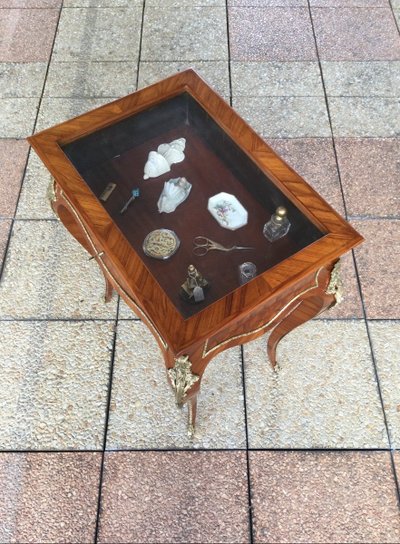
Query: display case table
[296,275]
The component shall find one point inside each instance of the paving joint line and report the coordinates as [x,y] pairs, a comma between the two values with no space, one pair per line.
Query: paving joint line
[249,499]
[140,45]
[394,16]
[249,486]
[106,420]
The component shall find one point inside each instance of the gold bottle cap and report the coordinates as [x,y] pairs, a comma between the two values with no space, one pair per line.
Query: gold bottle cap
[280,213]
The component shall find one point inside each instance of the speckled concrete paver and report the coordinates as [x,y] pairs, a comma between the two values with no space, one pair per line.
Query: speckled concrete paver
[366,165]
[377,262]
[374,78]
[91,79]
[31,3]
[175,497]
[269,3]
[322,497]
[49,497]
[349,3]
[17,116]
[98,34]
[324,395]
[101,3]
[365,116]
[48,275]
[143,413]
[54,384]
[277,34]
[27,34]
[5,225]
[285,116]
[276,79]
[356,34]
[386,345]
[193,33]
[22,80]
[13,155]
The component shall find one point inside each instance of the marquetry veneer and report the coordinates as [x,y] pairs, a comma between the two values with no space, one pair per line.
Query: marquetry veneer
[297,275]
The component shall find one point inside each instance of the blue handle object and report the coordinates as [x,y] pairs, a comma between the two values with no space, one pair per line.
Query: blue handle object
[135,193]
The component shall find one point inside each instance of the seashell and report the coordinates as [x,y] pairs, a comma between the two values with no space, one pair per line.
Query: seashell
[175,192]
[179,144]
[173,151]
[173,155]
[159,161]
[156,165]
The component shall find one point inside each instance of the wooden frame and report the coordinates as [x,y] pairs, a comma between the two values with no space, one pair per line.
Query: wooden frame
[282,297]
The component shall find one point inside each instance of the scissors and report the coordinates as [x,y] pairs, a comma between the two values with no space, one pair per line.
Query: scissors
[203,245]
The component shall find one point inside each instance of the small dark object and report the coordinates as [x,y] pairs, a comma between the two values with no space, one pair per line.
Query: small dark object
[195,286]
[135,194]
[107,191]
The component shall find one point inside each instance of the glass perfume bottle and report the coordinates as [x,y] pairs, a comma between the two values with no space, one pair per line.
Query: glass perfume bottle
[278,226]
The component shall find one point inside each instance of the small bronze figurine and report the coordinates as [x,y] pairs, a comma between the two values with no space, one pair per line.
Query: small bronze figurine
[195,286]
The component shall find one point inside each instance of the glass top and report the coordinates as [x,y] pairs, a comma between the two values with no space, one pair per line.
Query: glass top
[213,163]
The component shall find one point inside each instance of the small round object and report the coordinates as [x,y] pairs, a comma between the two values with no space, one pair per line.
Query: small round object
[247,271]
[280,213]
[161,244]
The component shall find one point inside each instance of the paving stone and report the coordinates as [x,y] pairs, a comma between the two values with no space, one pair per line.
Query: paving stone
[22,80]
[30,3]
[17,116]
[396,13]
[13,155]
[185,3]
[91,79]
[57,110]
[385,337]
[33,201]
[143,412]
[98,34]
[349,3]
[49,497]
[373,78]
[175,497]
[365,117]
[27,34]
[100,3]
[48,275]
[5,225]
[278,34]
[276,79]
[367,165]
[322,497]
[285,117]
[324,395]
[216,73]
[377,262]
[356,34]
[272,3]
[396,456]
[195,33]
[54,384]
